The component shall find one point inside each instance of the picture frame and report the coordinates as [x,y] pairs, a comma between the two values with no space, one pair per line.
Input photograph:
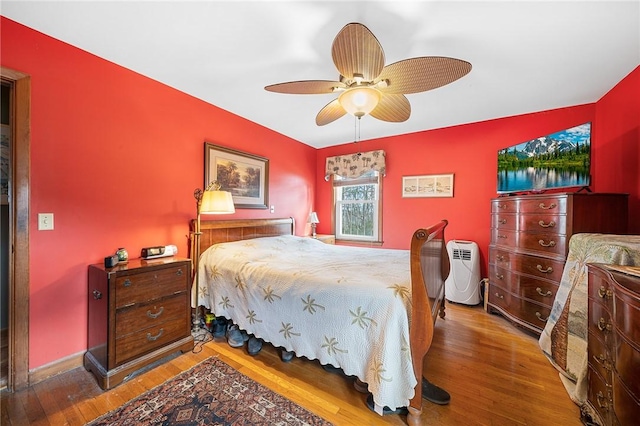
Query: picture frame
[245,175]
[427,186]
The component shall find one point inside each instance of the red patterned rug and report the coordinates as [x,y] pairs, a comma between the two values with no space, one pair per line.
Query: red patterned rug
[211,393]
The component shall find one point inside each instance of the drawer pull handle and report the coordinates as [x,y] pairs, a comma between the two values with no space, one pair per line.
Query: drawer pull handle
[502,236]
[127,282]
[603,325]
[540,317]
[605,293]
[502,206]
[548,270]
[156,337]
[500,276]
[500,258]
[157,314]
[539,290]
[547,225]
[499,295]
[97,295]
[179,272]
[603,405]
[549,244]
[550,206]
[502,221]
[604,362]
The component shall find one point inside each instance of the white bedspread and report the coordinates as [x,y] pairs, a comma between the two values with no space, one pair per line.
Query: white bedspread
[345,306]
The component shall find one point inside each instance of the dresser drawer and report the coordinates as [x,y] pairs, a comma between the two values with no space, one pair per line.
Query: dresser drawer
[599,290]
[532,313]
[541,291]
[600,395]
[530,205]
[530,222]
[627,316]
[537,266]
[142,287]
[600,323]
[133,345]
[545,243]
[600,357]
[142,316]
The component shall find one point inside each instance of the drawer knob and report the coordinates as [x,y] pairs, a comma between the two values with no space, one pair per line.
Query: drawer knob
[179,272]
[546,270]
[605,293]
[604,362]
[97,295]
[127,282]
[155,315]
[603,405]
[549,244]
[550,206]
[547,225]
[603,325]
[541,293]
[540,317]
[499,295]
[156,337]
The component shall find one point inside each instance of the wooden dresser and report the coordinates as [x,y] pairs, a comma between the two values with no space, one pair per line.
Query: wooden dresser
[613,396]
[139,312]
[529,244]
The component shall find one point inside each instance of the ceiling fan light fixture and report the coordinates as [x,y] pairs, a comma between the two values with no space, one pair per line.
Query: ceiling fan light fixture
[359,101]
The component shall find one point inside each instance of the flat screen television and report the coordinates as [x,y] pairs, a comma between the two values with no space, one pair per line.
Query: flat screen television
[558,160]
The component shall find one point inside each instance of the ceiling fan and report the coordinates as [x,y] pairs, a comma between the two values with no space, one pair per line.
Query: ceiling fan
[367,86]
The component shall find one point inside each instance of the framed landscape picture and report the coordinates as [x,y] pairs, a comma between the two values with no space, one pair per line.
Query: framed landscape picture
[245,175]
[427,186]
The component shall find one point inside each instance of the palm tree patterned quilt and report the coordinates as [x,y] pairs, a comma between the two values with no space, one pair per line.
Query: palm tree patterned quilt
[345,306]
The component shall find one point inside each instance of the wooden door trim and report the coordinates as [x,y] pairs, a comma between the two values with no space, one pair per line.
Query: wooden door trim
[19,230]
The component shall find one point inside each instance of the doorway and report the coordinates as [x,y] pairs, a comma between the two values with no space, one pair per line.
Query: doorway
[16,86]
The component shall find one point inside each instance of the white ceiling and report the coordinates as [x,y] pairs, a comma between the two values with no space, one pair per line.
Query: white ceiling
[526,56]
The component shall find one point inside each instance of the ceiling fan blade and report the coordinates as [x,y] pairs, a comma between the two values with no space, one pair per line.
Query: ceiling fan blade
[421,74]
[331,112]
[306,87]
[356,50]
[392,107]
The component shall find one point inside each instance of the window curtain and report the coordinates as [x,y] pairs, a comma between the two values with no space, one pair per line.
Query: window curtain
[351,166]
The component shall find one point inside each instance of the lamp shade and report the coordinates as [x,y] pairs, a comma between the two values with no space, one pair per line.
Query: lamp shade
[217,202]
[359,101]
[313,218]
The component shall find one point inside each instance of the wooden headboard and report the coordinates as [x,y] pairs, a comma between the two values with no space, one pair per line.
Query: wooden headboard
[224,231]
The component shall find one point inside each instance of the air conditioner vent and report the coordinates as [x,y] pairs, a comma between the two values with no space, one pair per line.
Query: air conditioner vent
[459,254]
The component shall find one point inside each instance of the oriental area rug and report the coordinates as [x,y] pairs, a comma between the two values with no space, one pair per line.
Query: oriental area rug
[211,393]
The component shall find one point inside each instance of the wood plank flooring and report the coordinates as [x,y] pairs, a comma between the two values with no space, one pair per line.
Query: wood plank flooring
[495,373]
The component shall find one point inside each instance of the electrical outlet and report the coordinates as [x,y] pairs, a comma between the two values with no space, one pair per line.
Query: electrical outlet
[45,221]
[272,209]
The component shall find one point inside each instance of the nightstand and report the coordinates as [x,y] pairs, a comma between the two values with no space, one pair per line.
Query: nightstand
[139,312]
[325,238]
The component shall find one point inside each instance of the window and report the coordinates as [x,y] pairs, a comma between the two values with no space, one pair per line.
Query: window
[358,207]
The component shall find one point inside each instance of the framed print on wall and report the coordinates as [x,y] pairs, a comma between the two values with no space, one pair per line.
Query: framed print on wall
[427,186]
[245,175]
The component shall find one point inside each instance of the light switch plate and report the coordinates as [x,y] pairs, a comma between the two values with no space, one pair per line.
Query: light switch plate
[45,221]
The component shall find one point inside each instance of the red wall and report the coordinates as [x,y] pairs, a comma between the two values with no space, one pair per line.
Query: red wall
[116,157]
[470,152]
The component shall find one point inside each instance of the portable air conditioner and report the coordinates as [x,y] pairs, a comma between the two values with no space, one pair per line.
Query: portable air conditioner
[463,283]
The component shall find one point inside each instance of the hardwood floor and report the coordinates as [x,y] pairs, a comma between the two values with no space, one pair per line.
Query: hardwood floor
[495,373]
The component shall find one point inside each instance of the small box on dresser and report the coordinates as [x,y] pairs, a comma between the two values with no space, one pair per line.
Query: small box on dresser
[139,312]
[529,243]
[613,395]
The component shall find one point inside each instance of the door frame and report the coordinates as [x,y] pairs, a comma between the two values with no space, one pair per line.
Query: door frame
[18,371]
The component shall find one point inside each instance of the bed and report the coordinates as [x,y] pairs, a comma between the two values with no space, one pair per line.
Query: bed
[368,311]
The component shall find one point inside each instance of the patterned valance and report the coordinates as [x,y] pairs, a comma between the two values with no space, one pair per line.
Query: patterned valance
[355,165]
